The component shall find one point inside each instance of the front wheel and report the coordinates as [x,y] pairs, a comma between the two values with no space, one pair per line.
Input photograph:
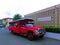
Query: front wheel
[30,36]
[41,37]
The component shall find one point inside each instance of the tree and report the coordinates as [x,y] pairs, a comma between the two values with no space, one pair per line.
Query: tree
[17,16]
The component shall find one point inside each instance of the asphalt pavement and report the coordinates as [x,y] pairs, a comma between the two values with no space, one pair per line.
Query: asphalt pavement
[6,38]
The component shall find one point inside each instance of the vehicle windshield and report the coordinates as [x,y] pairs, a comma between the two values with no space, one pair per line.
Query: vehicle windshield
[31,25]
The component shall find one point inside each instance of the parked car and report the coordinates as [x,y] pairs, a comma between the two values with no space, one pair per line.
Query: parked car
[1,26]
[27,28]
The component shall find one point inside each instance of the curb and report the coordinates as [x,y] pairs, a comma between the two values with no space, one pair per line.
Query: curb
[53,35]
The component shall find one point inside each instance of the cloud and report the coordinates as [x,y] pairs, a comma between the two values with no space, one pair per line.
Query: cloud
[10,7]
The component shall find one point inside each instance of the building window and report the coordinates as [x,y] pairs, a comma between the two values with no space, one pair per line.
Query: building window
[48,18]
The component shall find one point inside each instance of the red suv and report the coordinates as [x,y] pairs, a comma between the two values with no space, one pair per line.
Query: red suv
[27,28]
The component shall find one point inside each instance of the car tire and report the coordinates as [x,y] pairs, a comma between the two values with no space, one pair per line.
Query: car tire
[30,36]
[41,36]
[11,31]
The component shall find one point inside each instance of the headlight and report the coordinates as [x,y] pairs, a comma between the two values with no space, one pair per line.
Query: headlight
[42,31]
[36,32]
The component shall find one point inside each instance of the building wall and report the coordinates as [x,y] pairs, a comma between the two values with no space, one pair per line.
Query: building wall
[6,21]
[0,22]
[48,17]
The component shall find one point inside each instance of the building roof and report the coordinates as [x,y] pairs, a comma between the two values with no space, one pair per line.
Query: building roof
[6,18]
[46,9]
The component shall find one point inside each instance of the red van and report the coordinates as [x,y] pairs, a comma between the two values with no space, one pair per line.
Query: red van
[27,28]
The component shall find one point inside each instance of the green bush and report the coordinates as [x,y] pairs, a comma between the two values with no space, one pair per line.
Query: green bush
[52,29]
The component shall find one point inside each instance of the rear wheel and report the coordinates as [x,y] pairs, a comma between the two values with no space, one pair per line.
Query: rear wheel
[30,36]
[12,32]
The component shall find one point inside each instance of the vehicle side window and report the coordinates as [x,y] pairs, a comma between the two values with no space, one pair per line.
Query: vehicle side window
[31,25]
[22,25]
[10,24]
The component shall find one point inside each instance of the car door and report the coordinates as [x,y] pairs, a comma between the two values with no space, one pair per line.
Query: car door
[23,30]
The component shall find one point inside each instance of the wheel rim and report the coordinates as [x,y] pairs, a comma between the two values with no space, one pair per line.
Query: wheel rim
[29,36]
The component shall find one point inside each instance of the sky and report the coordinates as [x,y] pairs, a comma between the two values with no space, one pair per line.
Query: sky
[8,8]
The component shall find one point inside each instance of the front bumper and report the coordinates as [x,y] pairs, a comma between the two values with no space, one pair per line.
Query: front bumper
[38,35]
